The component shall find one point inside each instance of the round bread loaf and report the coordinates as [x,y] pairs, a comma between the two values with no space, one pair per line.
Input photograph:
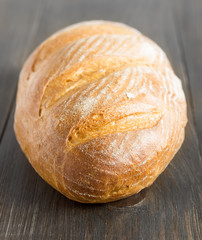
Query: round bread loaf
[100,112]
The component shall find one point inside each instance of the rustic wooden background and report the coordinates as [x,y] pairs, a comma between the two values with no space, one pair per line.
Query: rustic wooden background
[171,207]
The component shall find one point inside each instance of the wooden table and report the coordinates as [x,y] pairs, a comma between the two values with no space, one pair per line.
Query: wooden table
[171,207]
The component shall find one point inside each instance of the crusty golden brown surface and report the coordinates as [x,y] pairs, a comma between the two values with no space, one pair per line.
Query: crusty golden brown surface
[100,112]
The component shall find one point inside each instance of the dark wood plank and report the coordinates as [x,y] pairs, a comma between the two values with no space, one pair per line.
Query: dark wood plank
[190,36]
[31,209]
[17,27]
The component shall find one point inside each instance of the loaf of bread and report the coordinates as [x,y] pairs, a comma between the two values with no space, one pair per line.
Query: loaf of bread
[100,112]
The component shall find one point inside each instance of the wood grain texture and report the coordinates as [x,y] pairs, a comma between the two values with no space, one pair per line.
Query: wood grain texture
[190,34]
[171,207]
[14,44]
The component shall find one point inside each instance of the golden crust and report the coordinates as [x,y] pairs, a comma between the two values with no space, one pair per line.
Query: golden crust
[100,112]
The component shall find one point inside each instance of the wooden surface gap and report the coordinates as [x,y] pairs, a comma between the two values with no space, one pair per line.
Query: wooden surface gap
[8,115]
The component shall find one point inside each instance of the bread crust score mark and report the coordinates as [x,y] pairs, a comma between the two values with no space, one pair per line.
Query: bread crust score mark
[113,119]
[96,63]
